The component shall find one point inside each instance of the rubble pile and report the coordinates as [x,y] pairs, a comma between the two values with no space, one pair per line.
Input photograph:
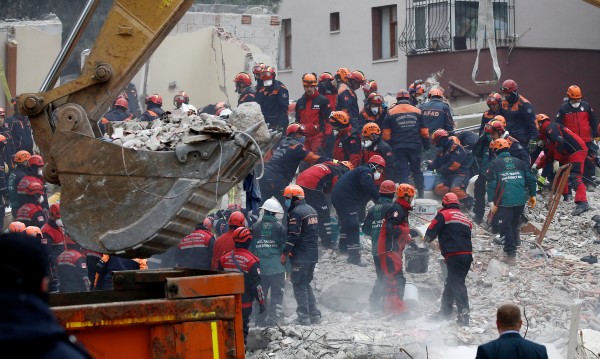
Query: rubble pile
[545,283]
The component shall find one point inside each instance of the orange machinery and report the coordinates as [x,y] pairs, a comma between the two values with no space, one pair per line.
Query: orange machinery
[179,313]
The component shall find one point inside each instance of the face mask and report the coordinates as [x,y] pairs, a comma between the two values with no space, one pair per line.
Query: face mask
[575,104]
[374,111]
[59,222]
[335,132]
[288,202]
[268,83]
[41,199]
[40,172]
[367,143]
[377,176]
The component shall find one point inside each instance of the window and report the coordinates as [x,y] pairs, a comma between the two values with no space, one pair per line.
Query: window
[286,56]
[385,32]
[334,22]
[466,20]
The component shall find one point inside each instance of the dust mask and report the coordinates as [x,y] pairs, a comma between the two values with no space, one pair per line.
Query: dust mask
[376,176]
[40,172]
[268,83]
[374,111]
[575,104]
[367,143]
[59,222]
[41,199]
[335,132]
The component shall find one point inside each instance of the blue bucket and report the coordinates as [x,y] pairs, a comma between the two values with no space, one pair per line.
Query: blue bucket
[429,180]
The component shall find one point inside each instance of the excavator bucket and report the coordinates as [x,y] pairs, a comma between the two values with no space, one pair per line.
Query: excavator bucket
[132,203]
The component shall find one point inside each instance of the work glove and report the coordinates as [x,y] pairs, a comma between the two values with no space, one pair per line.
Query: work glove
[283,259]
[261,308]
[531,202]
[493,208]
[555,166]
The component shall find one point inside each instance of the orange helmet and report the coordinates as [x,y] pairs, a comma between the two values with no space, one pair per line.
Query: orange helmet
[122,102]
[404,189]
[375,98]
[402,94]
[55,210]
[243,78]
[370,86]
[325,76]
[36,160]
[237,218]
[494,99]
[342,73]
[22,156]
[388,187]
[371,128]
[449,198]
[435,93]
[438,135]
[309,79]
[293,190]
[348,165]
[3,139]
[258,68]
[294,128]
[339,118]
[499,144]
[539,120]
[242,235]
[454,139]
[377,160]
[357,76]
[17,226]
[155,98]
[509,86]
[268,73]
[494,126]
[416,88]
[33,231]
[574,92]
[501,119]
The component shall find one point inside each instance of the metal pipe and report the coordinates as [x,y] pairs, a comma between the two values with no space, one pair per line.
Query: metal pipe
[67,49]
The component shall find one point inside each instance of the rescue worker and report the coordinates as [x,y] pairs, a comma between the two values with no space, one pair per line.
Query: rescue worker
[72,270]
[493,102]
[241,260]
[347,144]
[348,82]
[566,147]
[28,328]
[436,113]
[393,238]
[196,249]
[496,130]
[317,181]
[243,86]
[373,144]
[132,100]
[302,248]
[54,235]
[349,197]
[481,154]
[509,183]
[405,131]
[451,166]
[154,109]
[519,114]
[273,98]
[282,167]
[21,161]
[31,211]
[119,113]
[269,238]
[35,171]
[109,264]
[181,101]
[4,201]
[215,109]
[415,91]
[312,111]
[256,71]
[372,227]
[453,230]
[327,88]
[369,87]
[224,243]
[373,112]
[578,116]
[19,128]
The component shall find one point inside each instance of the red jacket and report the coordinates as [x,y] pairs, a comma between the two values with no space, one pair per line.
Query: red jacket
[581,120]
[72,272]
[347,147]
[313,112]
[395,233]
[321,177]
[243,261]
[223,244]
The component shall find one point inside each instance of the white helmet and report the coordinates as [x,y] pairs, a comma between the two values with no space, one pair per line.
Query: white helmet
[224,115]
[272,205]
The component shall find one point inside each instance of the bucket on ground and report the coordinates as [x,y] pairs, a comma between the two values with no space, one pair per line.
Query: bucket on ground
[471,186]
[417,260]
[411,294]
[429,180]
[426,208]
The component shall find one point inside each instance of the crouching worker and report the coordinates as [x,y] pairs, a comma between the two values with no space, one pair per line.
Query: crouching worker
[453,230]
[241,260]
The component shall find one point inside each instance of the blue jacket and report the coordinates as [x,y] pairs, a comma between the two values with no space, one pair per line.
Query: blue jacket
[520,120]
[356,186]
[403,127]
[274,101]
[513,346]
[436,114]
[348,102]
[452,160]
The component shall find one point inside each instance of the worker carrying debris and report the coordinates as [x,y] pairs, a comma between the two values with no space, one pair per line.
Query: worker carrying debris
[509,183]
[453,230]
[562,144]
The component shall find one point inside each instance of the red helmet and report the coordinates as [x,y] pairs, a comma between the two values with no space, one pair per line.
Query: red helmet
[207,223]
[377,160]
[370,86]
[267,73]
[242,235]
[402,94]
[258,68]
[181,97]
[122,102]
[325,76]
[55,210]
[293,128]
[375,98]
[17,226]
[357,76]
[494,126]
[243,78]
[237,218]
[234,207]
[34,188]
[509,86]
[494,99]
[449,198]
[438,134]
[388,187]
[155,98]
[36,160]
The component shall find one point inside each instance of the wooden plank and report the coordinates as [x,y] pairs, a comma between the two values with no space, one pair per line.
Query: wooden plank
[574,329]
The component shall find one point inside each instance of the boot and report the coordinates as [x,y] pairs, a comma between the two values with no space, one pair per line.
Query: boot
[566,197]
[463,319]
[354,257]
[581,207]
[510,260]
[302,320]
[440,316]
[315,319]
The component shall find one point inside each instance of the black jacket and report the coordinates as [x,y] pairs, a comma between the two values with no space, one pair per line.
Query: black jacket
[286,158]
[302,233]
[356,186]
[453,229]
[513,346]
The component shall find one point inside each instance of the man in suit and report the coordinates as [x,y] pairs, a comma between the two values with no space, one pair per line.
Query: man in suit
[510,344]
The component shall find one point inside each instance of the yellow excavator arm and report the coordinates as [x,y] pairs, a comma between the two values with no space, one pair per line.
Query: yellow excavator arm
[116,200]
